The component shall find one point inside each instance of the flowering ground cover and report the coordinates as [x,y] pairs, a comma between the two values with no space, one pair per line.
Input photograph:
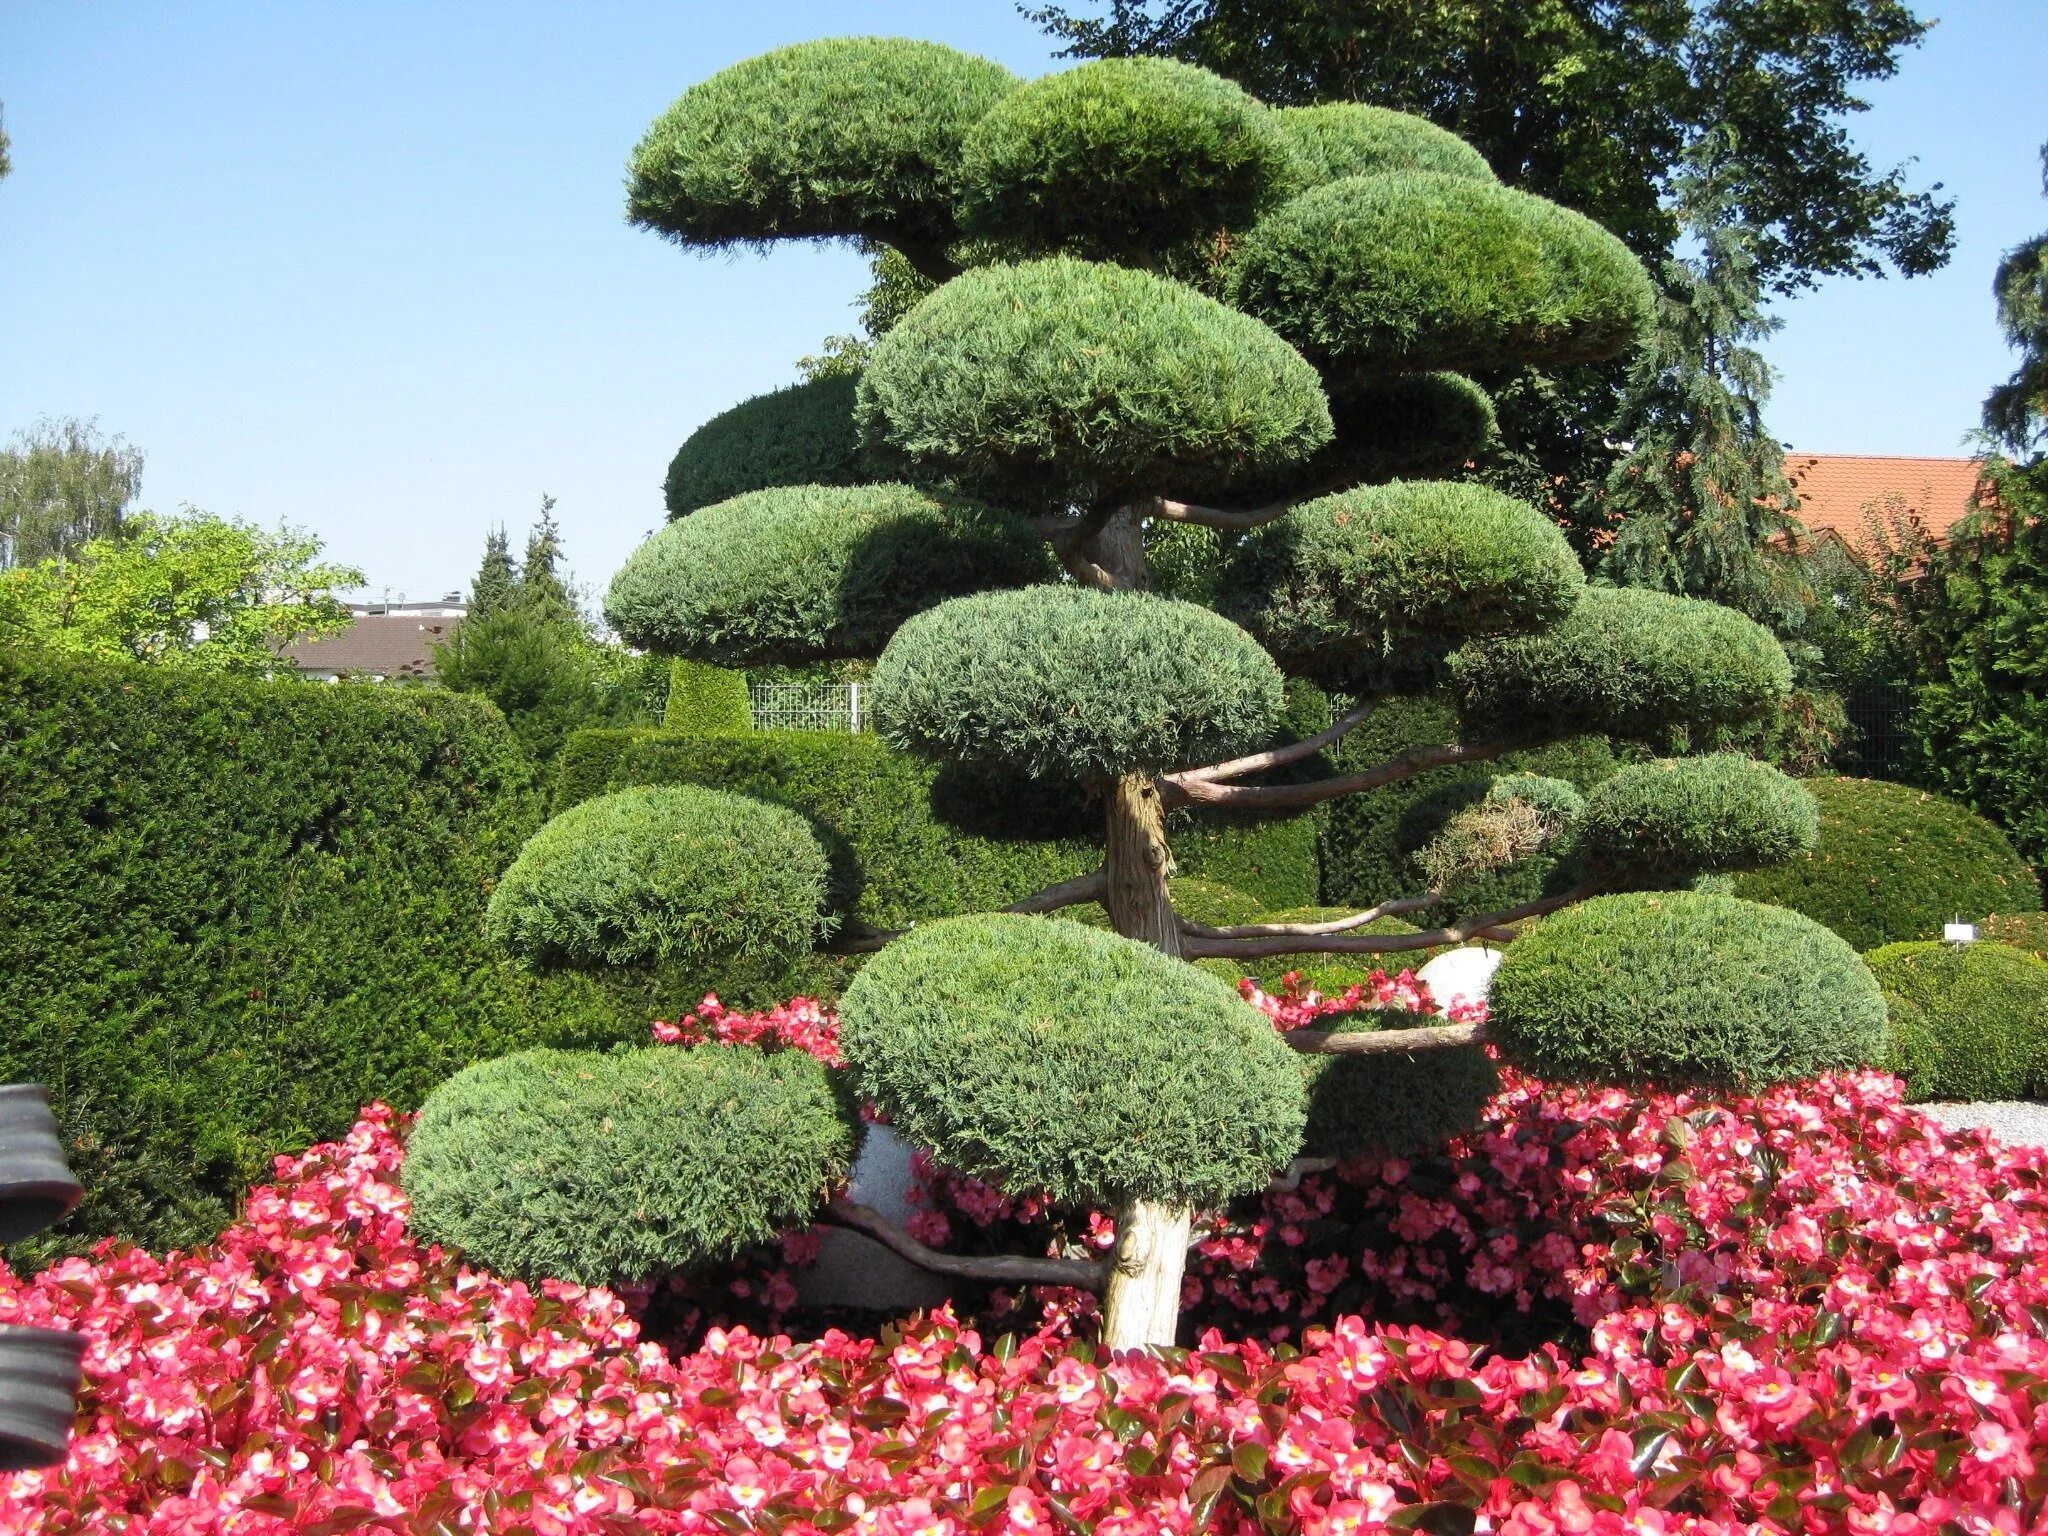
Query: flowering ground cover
[1810,1311]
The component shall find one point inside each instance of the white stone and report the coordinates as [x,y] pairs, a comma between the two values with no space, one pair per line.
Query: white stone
[1461,975]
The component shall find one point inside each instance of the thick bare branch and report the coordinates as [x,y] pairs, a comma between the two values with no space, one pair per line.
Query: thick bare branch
[1216,517]
[998,1269]
[1197,947]
[1398,908]
[1066,893]
[1278,757]
[1385,1042]
[1282,797]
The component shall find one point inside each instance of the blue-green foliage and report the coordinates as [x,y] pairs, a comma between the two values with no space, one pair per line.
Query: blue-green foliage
[802,435]
[1661,823]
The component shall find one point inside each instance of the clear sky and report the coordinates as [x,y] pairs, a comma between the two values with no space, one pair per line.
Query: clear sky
[363,267]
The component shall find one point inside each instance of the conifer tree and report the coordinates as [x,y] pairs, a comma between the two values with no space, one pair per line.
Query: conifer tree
[1159,305]
[495,578]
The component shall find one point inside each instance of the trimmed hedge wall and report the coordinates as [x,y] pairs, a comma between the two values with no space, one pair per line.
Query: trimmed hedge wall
[1893,864]
[910,840]
[232,912]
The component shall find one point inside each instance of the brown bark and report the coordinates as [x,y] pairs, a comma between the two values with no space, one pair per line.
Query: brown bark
[1137,864]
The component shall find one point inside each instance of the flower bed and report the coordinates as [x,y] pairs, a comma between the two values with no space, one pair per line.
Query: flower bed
[1810,1311]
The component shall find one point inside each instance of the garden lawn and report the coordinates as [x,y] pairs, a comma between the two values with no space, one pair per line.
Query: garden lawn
[1811,1311]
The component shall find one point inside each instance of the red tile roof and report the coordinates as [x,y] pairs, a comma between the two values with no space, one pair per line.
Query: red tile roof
[377,645]
[1835,489]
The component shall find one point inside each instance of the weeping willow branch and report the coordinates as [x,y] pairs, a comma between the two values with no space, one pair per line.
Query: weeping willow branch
[998,1269]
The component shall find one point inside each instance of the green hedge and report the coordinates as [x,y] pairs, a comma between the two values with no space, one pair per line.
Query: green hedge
[706,700]
[232,912]
[911,840]
[1893,864]
[1967,1021]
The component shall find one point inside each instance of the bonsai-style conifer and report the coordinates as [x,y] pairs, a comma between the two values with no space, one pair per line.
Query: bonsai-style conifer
[1158,303]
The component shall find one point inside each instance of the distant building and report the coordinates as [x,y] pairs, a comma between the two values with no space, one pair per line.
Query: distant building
[384,642]
[1840,492]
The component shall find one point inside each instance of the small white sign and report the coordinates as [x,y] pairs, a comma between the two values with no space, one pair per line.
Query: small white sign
[1959,933]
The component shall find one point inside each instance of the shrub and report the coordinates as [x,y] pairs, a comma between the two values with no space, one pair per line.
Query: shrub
[621,1167]
[1967,1021]
[1393,1104]
[1684,987]
[1070,381]
[1348,138]
[233,911]
[1665,822]
[1071,683]
[801,435]
[909,840]
[1626,662]
[1420,271]
[845,566]
[1352,585]
[2022,930]
[677,879]
[1152,1082]
[1368,842]
[813,140]
[1894,864]
[706,700]
[1120,160]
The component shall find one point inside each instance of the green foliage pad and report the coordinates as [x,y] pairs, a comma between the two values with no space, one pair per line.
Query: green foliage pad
[1894,864]
[1664,822]
[1968,1022]
[1070,381]
[1042,1055]
[802,435]
[673,877]
[807,573]
[1419,271]
[1680,988]
[619,1168]
[1068,682]
[1349,138]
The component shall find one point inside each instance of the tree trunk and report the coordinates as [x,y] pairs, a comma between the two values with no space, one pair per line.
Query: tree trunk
[1141,1306]
[1119,548]
[1138,863]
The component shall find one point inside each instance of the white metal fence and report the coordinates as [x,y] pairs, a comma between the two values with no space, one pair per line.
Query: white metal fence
[808,706]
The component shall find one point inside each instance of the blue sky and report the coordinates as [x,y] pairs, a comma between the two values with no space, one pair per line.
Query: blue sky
[363,267]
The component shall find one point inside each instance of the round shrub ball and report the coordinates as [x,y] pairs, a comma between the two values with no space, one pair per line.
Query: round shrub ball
[618,1168]
[1074,683]
[1394,1105]
[1041,1055]
[1349,138]
[1120,159]
[1894,864]
[1625,662]
[802,435]
[1682,989]
[1667,821]
[1968,1022]
[810,572]
[1063,381]
[663,875]
[1343,586]
[1419,271]
[849,136]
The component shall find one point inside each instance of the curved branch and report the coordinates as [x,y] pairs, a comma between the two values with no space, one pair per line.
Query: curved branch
[1199,947]
[1065,893]
[1280,797]
[1335,925]
[1385,1042]
[999,1269]
[1278,757]
[1216,517]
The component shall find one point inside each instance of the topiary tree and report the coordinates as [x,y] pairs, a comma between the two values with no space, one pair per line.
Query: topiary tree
[1160,306]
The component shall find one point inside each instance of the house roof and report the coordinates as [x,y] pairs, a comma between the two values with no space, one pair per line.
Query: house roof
[1834,490]
[377,644]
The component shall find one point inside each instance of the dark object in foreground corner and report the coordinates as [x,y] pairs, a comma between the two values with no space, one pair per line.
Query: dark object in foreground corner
[39,1367]
[36,1186]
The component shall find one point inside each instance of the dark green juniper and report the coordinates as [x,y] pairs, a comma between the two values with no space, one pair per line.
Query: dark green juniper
[1158,305]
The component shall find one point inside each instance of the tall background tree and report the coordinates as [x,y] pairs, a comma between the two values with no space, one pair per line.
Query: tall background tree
[61,484]
[1157,305]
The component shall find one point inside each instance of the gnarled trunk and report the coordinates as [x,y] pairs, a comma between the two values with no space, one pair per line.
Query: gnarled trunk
[1137,864]
[1141,1306]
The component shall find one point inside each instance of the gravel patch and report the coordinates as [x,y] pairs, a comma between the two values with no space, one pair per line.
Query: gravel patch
[2016,1124]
